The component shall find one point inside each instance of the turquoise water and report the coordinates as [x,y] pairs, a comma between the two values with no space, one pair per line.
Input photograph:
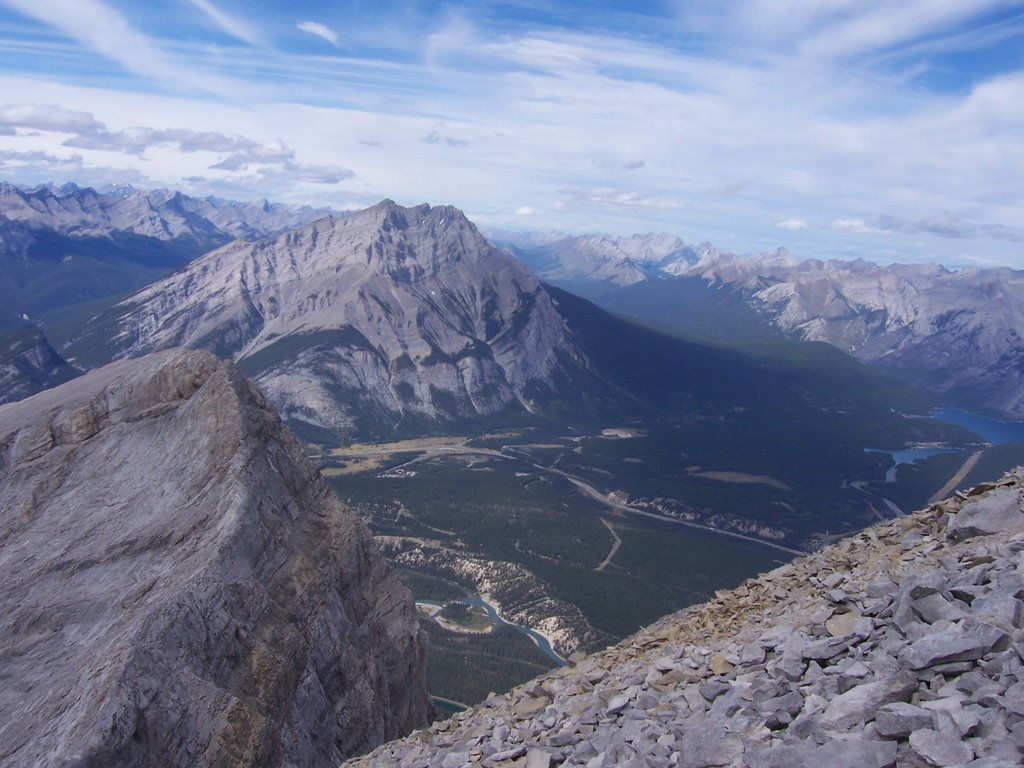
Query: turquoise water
[446,706]
[992,430]
[539,640]
[908,456]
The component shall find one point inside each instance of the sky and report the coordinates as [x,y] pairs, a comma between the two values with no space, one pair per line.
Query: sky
[885,130]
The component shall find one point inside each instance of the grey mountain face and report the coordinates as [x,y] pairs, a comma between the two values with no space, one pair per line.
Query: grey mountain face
[957,333]
[385,314]
[71,246]
[29,364]
[181,587]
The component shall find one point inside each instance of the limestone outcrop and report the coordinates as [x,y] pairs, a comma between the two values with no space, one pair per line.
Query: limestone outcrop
[900,646]
[182,588]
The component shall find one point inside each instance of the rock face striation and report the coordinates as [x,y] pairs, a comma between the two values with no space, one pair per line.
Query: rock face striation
[900,646]
[386,314]
[182,588]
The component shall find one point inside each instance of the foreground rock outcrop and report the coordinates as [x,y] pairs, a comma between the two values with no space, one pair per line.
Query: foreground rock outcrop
[181,587]
[900,646]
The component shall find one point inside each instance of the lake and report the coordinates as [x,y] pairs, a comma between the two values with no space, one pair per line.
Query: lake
[908,456]
[992,430]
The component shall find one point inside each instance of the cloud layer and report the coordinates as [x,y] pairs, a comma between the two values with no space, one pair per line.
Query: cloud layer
[837,129]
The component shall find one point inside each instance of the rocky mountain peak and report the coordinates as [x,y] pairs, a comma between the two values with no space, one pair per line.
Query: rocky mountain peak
[406,311]
[181,587]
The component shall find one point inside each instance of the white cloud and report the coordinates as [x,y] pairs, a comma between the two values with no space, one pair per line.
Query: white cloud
[886,24]
[621,198]
[320,30]
[47,117]
[598,130]
[525,210]
[859,226]
[792,225]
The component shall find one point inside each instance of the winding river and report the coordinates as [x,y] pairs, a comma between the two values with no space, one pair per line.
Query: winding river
[538,639]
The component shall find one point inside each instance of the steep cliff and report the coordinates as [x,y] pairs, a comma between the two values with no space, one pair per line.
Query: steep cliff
[181,587]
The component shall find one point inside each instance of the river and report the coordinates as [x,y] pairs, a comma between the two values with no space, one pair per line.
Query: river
[538,639]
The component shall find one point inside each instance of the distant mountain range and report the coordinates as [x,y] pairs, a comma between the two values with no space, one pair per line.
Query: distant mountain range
[957,333]
[591,265]
[64,246]
[67,251]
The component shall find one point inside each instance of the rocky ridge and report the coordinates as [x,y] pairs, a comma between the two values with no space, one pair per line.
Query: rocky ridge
[900,646]
[181,586]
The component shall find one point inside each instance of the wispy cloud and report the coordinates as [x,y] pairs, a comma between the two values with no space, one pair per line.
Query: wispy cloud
[136,141]
[836,110]
[944,225]
[882,25]
[320,30]
[232,26]
[102,28]
[436,137]
[238,154]
[858,226]
[29,167]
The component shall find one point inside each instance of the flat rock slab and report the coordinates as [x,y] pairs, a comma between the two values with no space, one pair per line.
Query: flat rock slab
[997,512]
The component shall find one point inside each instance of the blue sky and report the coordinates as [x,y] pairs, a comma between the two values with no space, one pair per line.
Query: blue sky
[892,131]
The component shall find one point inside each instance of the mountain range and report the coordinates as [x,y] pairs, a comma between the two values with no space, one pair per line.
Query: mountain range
[957,333]
[67,245]
[392,320]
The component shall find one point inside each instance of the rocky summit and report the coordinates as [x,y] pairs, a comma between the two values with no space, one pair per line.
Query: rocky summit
[900,646]
[181,587]
[386,314]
